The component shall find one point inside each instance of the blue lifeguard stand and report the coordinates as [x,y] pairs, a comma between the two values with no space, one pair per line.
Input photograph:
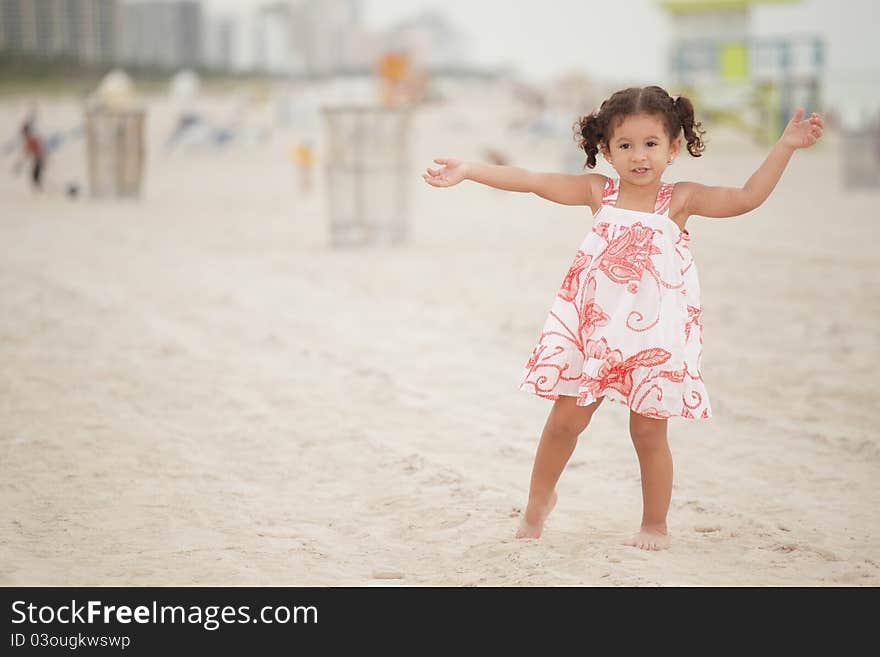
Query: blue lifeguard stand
[736,77]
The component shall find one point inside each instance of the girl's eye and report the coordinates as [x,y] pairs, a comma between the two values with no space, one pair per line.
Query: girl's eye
[624,145]
[652,143]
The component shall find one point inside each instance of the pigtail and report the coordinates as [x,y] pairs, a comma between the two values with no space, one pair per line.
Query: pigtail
[595,129]
[693,130]
[588,135]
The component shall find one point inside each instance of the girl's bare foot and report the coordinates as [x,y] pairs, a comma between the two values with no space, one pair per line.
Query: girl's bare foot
[650,538]
[532,523]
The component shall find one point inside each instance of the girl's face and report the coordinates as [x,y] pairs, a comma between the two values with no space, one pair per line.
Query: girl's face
[639,149]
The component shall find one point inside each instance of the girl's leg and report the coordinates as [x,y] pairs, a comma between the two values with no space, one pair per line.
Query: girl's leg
[565,423]
[655,462]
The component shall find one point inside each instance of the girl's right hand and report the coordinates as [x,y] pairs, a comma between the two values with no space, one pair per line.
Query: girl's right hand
[452,173]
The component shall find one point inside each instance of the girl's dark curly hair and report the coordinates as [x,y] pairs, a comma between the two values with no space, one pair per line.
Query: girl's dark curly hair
[594,130]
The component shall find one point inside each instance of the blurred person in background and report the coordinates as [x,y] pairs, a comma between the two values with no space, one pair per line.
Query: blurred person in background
[33,149]
[303,155]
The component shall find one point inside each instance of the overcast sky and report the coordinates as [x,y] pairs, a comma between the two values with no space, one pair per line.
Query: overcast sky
[620,39]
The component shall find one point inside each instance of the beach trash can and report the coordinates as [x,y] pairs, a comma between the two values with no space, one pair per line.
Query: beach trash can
[114,130]
[366,173]
[860,155]
[115,151]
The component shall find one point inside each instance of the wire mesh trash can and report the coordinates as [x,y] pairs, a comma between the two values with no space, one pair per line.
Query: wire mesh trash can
[860,155]
[115,151]
[366,169]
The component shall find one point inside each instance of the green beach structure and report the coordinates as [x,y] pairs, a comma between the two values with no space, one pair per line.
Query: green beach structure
[736,77]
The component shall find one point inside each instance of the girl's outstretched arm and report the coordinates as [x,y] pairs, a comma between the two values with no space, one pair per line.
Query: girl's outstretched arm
[732,201]
[562,188]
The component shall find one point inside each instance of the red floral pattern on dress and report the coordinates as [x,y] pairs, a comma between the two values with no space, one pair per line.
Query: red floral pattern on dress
[591,315]
[664,199]
[601,229]
[570,283]
[695,318]
[617,373]
[628,255]
[626,323]
[546,371]
[609,193]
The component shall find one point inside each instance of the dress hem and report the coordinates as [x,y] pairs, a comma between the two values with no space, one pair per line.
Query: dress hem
[661,414]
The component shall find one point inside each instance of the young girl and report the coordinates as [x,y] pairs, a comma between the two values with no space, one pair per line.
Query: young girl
[626,323]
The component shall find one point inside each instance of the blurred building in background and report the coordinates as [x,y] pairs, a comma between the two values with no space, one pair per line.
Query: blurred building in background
[220,42]
[430,40]
[324,34]
[162,34]
[300,38]
[752,82]
[86,31]
[273,43]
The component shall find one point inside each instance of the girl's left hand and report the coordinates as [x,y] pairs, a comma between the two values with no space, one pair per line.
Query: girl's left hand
[803,134]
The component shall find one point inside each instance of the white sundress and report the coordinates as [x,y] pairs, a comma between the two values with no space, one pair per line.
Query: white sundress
[626,323]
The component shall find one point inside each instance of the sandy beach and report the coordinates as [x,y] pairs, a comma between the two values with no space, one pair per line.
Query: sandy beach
[197,389]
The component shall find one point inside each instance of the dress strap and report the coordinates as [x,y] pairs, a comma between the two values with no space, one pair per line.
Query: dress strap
[661,205]
[664,199]
[612,189]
